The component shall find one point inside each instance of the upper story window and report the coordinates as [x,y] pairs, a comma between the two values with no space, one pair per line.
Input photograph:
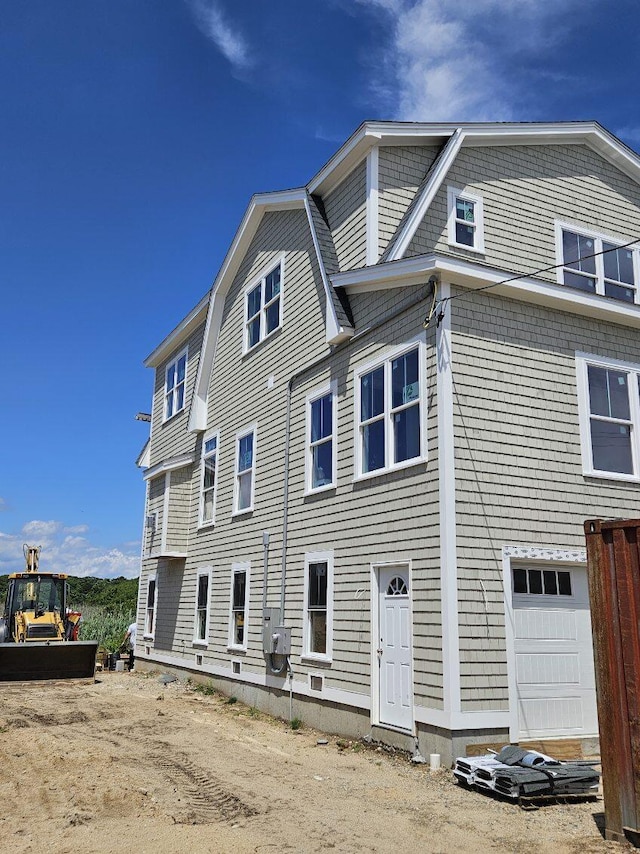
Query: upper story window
[245,470]
[609,401]
[263,307]
[596,264]
[209,480]
[390,403]
[174,387]
[321,439]
[465,219]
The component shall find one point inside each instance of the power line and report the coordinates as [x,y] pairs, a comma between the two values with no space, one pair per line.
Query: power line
[550,269]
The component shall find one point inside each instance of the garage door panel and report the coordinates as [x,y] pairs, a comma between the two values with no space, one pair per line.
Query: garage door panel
[548,669]
[545,624]
[552,714]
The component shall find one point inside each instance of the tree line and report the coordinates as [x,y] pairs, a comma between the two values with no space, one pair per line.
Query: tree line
[111,594]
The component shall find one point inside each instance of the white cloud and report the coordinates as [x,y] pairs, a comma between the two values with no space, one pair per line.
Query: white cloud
[63,550]
[212,24]
[464,61]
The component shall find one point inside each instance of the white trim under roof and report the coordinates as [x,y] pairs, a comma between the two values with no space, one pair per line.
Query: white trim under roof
[169,465]
[178,336]
[416,270]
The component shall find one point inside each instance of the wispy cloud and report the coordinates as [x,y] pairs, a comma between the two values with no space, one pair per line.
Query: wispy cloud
[465,61]
[211,22]
[64,550]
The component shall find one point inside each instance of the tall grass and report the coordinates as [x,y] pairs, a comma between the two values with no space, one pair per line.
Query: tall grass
[106,626]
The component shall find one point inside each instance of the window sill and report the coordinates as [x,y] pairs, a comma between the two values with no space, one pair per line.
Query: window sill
[245,512]
[147,637]
[603,475]
[200,644]
[203,526]
[174,416]
[236,650]
[247,353]
[319,490]
[416,461]
[475,250]
[310,658]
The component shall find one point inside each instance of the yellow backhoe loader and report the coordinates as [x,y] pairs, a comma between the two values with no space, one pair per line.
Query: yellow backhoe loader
[38,633]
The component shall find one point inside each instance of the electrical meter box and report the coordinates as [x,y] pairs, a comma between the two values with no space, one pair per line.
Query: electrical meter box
[270,619]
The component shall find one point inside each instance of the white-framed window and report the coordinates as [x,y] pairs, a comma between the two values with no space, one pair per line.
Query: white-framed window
[390,412]
[317,629]
[597,264]
[465,219]
[321,438]
[209,479]
[203,594]
[245,470]
[263,305]
[151,607]
[175,386]
[239,605]
[609,407]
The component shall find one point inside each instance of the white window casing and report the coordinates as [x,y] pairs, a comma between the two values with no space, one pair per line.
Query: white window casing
[202,608]
[609,413]
[597,263]
[151,607]
[465,220]
[321,439]
[317,629]
[263,305]
[245,470]
[175,386]
[390,411]
[209,478]
[239,605]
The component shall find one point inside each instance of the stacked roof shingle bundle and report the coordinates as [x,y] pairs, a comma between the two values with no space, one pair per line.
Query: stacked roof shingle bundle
[518,773]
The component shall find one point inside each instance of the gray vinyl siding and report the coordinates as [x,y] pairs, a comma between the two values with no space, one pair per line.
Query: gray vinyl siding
[345,208]
[155,506]
[524,190]
[401,169]
[374,306]
[179,508]
[171,438]
[518,459]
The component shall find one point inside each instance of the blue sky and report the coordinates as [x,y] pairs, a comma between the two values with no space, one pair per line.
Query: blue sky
[133,133]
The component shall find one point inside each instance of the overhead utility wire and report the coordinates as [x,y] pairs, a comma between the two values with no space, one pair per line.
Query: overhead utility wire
[550,269]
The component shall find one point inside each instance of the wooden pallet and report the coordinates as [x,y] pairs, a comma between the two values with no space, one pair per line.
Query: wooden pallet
[563,749]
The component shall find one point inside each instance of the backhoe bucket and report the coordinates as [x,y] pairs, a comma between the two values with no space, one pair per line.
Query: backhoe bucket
[22,662]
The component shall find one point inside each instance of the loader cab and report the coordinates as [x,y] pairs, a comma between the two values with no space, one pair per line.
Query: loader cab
[35,606]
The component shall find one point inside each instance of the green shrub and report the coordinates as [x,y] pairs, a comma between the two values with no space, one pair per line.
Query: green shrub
[106,626]
[296,723]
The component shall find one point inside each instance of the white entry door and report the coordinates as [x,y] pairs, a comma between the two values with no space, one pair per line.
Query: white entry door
[394,648]
[553,652]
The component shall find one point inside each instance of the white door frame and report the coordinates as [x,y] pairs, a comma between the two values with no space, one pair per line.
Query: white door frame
[375,634]
[531,555]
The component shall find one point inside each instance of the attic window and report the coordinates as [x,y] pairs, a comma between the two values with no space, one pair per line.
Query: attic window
[597,264]
[465,220]
[263,307]
[175,381]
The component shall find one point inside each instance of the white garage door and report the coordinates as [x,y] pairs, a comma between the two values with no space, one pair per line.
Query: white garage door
[553,652]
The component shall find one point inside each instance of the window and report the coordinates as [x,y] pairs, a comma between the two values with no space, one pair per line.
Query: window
[609,403]
[596,264]
[263,307]
[465,219]
[201,628]
[239,605]
[208,483]
[321,444]
[543,582]
[174,390]
[245,470]
[149,623]
[318,597]
[389,401]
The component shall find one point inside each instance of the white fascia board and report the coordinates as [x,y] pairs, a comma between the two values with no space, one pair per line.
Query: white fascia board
[169,465]
[334,332]
[179,335]
[258,206]
[412,271]
[144,457]
[428,194]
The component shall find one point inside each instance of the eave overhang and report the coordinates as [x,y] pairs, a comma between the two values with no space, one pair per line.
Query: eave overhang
[179,335]
[171,464]
[467,274]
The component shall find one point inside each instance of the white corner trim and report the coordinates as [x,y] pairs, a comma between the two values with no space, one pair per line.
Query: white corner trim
[447,505]
[428,194]
[373,251]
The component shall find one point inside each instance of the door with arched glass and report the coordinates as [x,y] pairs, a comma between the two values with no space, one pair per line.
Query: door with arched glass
[394,649]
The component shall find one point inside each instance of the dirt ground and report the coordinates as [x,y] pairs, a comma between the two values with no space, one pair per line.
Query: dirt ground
[130,764]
